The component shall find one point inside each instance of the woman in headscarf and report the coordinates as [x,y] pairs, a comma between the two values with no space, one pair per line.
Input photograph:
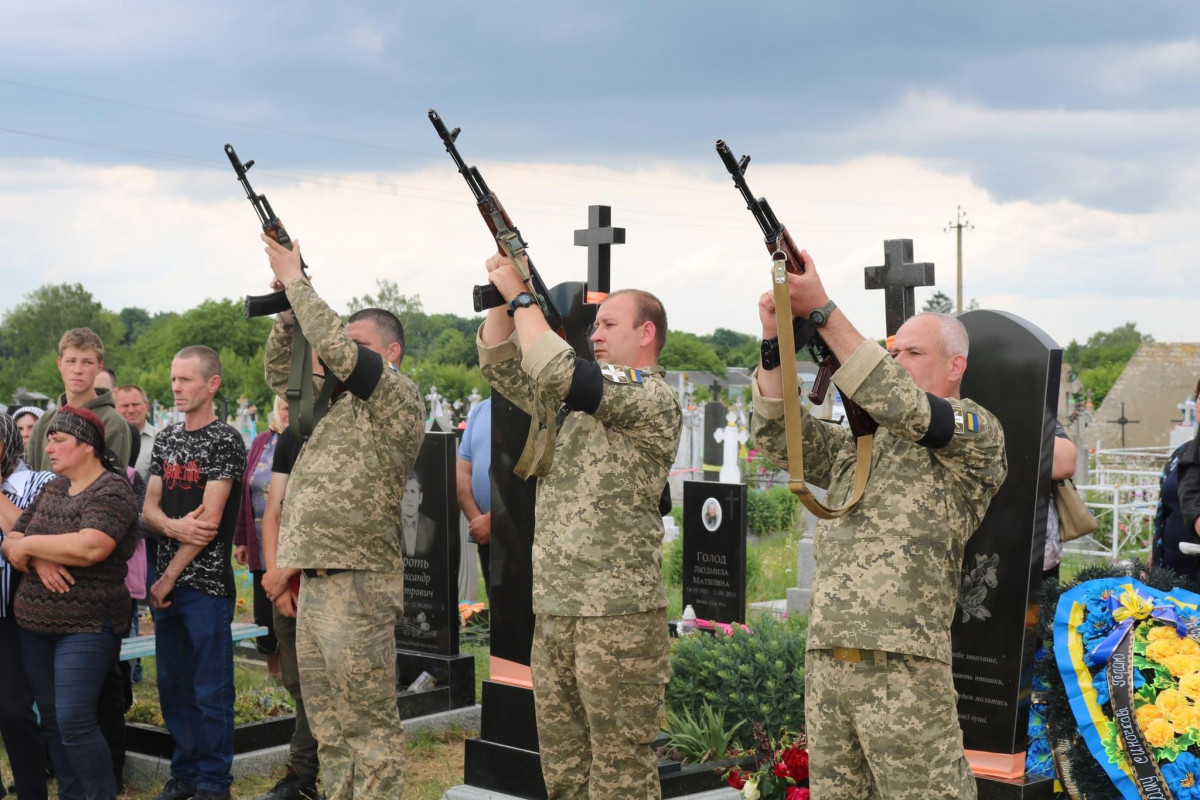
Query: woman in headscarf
[26,417]
[73,607]
[247,536]
[19,728]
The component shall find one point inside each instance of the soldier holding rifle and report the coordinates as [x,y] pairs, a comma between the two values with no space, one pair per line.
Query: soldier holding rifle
[600,658]
[880,701]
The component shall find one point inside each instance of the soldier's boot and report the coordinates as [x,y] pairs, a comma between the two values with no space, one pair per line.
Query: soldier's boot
[294,786]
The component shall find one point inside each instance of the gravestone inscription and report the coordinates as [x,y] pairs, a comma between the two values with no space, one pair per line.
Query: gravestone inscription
[714,550]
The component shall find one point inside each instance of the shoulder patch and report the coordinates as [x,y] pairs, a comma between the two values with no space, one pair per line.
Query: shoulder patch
[966,422]
[615,373]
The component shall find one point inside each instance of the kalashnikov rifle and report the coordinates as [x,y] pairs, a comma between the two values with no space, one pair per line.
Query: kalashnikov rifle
[508,238]
[801,333]
[305,413]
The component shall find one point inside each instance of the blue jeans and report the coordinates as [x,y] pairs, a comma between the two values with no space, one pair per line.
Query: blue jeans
[195,686]
[67,671]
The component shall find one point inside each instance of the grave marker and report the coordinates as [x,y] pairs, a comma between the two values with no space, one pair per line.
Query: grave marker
[714,550]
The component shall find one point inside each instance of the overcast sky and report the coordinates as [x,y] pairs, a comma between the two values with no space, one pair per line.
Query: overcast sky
[1067,132]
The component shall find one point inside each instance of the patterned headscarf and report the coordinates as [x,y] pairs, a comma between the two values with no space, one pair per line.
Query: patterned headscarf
[37,412]
[14,447]
[85,426]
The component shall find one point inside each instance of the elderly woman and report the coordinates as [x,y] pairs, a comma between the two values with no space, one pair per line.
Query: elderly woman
[72,607]
[247,536]
[19,728]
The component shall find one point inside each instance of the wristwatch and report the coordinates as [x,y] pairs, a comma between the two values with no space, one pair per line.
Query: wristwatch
[523,300]
[769,353]
[820,316]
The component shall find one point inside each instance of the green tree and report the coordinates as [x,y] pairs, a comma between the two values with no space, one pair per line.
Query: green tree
[136,320]
[940,303]
[1099,362]
[686,351]
[30,332]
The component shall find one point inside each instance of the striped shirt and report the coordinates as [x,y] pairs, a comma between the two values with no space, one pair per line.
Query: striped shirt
[20,488]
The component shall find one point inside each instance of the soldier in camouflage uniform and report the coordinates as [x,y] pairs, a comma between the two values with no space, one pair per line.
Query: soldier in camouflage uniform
[600,658]
[341,528]
[880,701]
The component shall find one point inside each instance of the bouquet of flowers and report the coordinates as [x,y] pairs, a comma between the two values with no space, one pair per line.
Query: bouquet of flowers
[780,768]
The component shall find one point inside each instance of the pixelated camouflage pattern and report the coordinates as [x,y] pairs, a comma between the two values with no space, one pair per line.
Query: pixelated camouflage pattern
[116,431]
[887,574]
[884,731]
[346,655]
[597,546]
[341,509]
[598,688]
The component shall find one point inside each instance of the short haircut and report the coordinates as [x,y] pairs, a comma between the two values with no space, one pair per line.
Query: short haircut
[953,335]
[111,374]
[132,387]
[210,362]
[81,339]
[649,309]
[387,323]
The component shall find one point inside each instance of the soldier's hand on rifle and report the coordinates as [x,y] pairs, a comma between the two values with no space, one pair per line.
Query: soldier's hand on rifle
[806,291]
[505,276]
[284,263]
[288,317]
[766,315]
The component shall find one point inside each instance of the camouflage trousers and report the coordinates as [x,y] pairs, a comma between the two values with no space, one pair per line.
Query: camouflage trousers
[598,687]
[884,728]
[346,654]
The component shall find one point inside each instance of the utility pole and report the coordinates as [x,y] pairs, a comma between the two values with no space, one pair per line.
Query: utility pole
[959,223]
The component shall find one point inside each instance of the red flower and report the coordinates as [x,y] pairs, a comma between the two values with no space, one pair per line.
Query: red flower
[797,793]
[797,762]
[736,779]
[781,771]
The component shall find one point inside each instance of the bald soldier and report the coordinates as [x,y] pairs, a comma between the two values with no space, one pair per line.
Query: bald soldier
[600,656]
[880,703]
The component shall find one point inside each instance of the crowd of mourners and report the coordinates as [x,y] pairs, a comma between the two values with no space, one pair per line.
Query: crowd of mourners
[81,547]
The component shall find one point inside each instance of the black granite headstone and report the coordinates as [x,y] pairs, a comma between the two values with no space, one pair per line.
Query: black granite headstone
[430,544]
[1013,371]
[714,550]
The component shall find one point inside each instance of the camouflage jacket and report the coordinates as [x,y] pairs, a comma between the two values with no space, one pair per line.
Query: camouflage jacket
[342,506]
[597,547]
[117,436]
[887,574]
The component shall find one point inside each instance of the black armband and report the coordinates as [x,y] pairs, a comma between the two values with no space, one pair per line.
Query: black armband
[587,387]
[664,502]
[363,379]
[941,423]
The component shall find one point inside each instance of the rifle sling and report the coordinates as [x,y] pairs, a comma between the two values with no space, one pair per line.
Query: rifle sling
[793,423]
[305,413]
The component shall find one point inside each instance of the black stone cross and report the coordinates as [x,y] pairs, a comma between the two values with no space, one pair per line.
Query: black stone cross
[598,237]
[897,277]
[1123,421]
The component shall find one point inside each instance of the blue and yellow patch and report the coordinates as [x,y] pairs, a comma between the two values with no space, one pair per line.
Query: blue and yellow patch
[966,421]
[615,373]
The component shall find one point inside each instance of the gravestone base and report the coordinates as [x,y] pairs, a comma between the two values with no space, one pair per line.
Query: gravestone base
[455,687]
[1029,788]
[800,598]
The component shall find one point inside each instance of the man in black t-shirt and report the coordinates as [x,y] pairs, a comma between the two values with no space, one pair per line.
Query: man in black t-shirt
[192,500]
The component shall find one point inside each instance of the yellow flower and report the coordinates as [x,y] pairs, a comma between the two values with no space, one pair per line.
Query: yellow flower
[1170,699]
[1190,685]
[1187,646]
[1182,664]
[1147,714]
[1183,719]
[1158,733]
[1160,632]
[1162,649]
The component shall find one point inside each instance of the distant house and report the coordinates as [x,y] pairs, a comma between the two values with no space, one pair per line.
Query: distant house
[1156,380]
[24,397]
